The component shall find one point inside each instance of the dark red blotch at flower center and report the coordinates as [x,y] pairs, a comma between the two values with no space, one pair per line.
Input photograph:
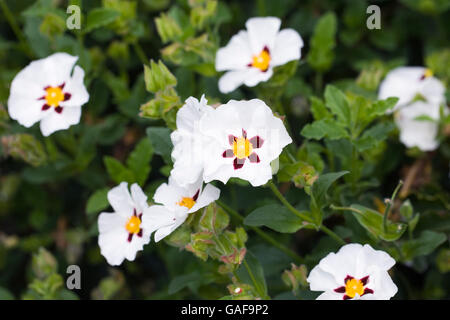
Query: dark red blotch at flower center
[242,148]
[54,96]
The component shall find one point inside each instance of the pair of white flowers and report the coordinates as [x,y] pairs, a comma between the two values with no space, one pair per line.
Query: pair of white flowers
[125,231]
[238,139]
[420,94]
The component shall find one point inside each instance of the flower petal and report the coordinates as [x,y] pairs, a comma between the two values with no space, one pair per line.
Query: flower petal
[55,121]
[139,198]
[236,55]
[208,195]
[120,199]
[75,87]
[162,220]
[287,47]
[250,77]
[329,295]
[27,111]
[262,32]
[379,258]
[319,280]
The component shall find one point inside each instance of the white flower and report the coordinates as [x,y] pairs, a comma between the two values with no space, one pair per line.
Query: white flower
[355,272]
[246,138]
[187,153]
[420,94]
[250,55]
[47,91]
[176,203]
[406,83]
[122,233]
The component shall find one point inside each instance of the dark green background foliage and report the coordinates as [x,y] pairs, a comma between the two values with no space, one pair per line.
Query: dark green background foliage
[52,189]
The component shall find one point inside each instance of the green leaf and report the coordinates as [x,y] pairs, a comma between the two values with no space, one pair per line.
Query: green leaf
[252,273]
[192,280]
[322,43]
[100,17]
[324,128]
[117,171]
[425,244]
[318,109]
[372,221]
[380,107]
[214,219]
[97,201]
[161,142]
[374,136]
[275,217]
[424,118]
[336,101]
[322,184]
[139,160]
[319,191]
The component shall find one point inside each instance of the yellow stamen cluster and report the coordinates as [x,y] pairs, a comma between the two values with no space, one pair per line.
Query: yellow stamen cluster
[262,60]
[54,96]
[428,73]
[186,202]
[242,148]
[353,287]
[133,225]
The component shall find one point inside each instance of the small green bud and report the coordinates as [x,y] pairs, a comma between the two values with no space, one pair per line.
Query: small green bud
[168,28]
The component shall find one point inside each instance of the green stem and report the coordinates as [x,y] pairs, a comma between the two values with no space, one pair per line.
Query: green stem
[318,82]
[333,207]
[15,28]
[286,203]
[389,204]
[255,283]
[332,234]
[301,215]
[263,235]
[140,52]
[291,156]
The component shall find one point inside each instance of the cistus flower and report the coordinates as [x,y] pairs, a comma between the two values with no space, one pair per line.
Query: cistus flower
[245,138]
[410,83]
[122,233]
[354,272]
[187,153]
[420,94]
[47,91]
[175,203]
[251,55]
